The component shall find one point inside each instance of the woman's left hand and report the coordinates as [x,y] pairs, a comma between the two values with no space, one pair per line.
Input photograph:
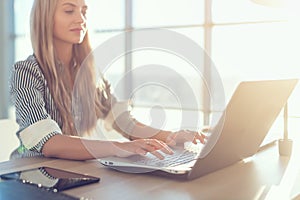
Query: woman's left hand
[182,136]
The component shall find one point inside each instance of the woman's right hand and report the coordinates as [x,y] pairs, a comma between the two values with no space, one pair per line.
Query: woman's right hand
[142,147]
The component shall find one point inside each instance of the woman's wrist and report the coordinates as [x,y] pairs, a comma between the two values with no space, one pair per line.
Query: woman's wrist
[115,149]
[119,149]
[162,135]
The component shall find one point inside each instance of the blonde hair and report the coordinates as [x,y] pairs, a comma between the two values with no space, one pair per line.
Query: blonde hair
[90,103]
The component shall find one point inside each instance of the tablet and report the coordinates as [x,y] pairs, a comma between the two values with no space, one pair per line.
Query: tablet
[50,178]
[14,189]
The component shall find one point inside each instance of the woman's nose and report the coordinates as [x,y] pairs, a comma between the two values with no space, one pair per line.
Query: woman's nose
[80,18]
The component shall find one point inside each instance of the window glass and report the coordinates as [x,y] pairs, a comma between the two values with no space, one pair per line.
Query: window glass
[22,29]
[23,47]
[240,52]
[116,69]
[168,95]
[103,14]
[154,13]
[233,11]
[21,16]
[254,52]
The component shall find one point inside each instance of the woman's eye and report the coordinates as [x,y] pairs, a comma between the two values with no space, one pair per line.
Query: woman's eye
[69,11]
[84,12]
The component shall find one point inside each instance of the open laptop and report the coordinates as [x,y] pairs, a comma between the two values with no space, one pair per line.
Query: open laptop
[243,126]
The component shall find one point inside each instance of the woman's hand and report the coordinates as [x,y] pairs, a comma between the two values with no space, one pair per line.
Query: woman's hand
[142,147]
[182,136]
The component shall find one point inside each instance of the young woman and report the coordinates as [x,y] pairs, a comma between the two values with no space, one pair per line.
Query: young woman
[42,89]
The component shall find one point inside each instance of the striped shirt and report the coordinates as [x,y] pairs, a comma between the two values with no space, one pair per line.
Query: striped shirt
[36,113]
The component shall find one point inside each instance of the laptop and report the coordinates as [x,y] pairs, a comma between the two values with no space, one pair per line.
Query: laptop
[250,113]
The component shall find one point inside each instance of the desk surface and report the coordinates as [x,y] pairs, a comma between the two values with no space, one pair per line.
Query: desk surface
[255,179]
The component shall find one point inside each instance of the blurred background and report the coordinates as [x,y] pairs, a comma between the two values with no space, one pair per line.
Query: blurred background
[244,39]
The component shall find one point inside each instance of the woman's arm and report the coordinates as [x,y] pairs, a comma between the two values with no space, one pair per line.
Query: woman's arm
[75,148]
[120,119]
[169,137]
[68,147]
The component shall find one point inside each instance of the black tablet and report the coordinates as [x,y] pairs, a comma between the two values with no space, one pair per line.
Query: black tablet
[51,178]
[14,189]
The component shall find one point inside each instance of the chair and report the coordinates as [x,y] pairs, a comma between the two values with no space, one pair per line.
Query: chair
[8,138]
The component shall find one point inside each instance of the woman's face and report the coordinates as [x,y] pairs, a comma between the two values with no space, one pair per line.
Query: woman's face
[70,21]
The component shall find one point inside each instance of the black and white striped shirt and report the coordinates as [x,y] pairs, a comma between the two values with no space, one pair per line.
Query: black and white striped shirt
[36,113]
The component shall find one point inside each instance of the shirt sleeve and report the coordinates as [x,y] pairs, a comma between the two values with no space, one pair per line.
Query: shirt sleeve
[120,119]
[115,114]
[27,90]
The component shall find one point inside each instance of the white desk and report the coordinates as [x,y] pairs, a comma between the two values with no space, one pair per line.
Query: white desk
[254,179]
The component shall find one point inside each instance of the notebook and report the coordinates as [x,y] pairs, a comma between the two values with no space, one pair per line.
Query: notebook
[250,113]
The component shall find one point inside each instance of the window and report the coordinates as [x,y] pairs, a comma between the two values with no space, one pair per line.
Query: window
[155,13]
[245,41]
[22,29]
[251,41]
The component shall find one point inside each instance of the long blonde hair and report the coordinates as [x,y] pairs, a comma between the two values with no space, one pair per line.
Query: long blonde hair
[42,22]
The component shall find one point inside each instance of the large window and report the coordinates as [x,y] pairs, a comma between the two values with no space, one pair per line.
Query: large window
[245,41]
[22,29]
[251,41]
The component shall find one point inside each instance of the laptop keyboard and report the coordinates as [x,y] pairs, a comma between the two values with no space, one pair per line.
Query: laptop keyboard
[189,153]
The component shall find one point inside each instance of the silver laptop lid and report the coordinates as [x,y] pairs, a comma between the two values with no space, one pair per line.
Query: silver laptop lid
[246,121]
